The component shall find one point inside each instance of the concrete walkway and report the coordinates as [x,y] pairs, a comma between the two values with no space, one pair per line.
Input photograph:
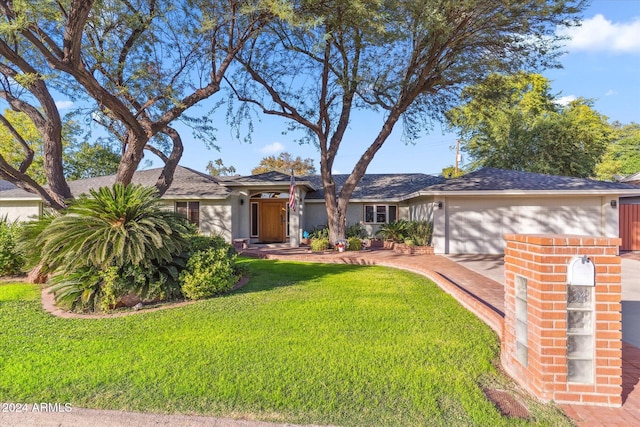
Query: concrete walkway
[482,292]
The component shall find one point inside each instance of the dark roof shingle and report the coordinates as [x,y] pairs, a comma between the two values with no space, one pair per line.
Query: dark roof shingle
[493,179]
[187,183]
[377,186]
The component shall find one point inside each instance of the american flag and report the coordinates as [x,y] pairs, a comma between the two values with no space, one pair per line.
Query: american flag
[292,193]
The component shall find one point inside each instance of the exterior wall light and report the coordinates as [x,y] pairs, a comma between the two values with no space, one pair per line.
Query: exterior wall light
[614,203]
[440,204]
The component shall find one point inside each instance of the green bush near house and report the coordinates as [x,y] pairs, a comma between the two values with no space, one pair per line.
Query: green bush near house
[394,231]
[354,244]
[319,244]
[320,232]
[11,259]
[117,241]
[208,273]
[355,230]
[419,232]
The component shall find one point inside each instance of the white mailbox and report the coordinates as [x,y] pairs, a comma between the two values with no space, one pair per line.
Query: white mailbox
[581,272]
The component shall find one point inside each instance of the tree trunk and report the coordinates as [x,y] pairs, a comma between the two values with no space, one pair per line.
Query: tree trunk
[130,160]
[337,224]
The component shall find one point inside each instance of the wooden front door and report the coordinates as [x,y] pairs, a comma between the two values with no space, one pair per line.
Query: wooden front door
[630,227]
[273,220]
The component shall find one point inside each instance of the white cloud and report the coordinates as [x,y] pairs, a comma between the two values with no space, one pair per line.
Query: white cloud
[565,100]
[64,105]
[599,34]
[274,148]
[610,92]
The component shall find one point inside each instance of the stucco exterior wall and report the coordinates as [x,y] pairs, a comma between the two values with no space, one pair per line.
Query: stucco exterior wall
[477,225]
[18,210]
[216,218]
[316,215]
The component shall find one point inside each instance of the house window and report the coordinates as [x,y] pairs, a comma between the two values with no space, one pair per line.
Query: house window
[190,210]
[380,214]
[254,220]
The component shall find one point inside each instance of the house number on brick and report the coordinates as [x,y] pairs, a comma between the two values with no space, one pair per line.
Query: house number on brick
[580,320]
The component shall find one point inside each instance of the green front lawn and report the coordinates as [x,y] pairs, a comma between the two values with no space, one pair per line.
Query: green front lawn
[301,343]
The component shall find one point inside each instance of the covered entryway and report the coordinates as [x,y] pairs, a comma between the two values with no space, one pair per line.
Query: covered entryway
[630,227]
[272,217]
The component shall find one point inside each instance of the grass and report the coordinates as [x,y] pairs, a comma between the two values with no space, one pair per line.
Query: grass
[300,343]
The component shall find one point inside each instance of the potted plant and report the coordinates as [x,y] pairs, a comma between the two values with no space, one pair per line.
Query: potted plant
[341,245]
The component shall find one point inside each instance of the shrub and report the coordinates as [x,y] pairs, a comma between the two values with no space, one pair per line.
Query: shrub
[394,230]
[320,232]
[11,259]
[116,242]
[208,273]
[355,230]
[319,245]
[198,243]
[420,232]
[29,233]
[354,244]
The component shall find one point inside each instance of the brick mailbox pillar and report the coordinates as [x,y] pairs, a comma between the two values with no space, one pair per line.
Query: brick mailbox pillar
[563,342]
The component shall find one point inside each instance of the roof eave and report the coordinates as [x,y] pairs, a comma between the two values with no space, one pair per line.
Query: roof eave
[603,192]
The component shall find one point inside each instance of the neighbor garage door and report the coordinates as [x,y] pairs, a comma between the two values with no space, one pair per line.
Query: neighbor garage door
[478,225]
[630,227]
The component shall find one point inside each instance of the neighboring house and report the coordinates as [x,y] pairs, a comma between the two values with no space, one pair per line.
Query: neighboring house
[630,216]
[470,214]
[631,179]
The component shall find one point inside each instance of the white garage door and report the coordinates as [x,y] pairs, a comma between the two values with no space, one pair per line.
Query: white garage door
[478,226]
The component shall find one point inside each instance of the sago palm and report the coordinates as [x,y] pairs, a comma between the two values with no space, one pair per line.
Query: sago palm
[113,227]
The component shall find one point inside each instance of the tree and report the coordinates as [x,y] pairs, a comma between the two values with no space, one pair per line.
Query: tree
[623,154]
[450,172]
[217,168]
[285,163]
[79,160]
[512,122]
[87,161]
[27,149]
[407,59]
[137,66]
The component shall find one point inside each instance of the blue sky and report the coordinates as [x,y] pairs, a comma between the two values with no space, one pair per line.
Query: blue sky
[602,63]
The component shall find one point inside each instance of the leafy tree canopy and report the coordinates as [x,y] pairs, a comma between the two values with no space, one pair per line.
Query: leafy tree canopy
[450,172]
[513,122]
[623,155]
[285,163]
[409,59]
[217,168]
[136,66]
[87,160]
[20,140]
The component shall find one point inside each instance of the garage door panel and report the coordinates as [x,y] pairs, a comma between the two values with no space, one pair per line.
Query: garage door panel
[479,226]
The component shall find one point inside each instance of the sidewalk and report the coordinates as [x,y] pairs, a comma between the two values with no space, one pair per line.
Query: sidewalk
[485,298]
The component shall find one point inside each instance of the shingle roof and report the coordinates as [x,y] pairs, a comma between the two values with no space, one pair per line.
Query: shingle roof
[377,186]
[635,178]
[187,183]
[272,176]
[6,185]
[492,179]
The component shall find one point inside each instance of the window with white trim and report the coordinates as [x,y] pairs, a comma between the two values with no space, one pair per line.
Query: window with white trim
[380,214]
[190,210]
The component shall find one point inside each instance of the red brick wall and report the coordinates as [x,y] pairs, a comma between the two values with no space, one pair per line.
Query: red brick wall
[542,260]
